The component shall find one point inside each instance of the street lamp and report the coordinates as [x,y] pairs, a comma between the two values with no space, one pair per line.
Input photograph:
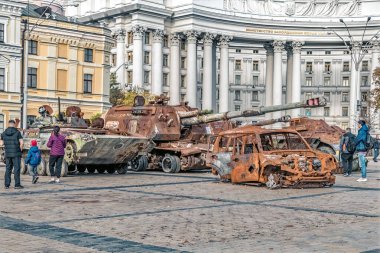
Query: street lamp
[358,49]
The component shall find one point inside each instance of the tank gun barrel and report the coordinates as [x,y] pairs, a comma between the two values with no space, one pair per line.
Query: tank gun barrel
[285,118]
[309,103]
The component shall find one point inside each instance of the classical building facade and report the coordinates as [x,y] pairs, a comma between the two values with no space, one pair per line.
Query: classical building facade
[10,61]
[237,54]
[66,60]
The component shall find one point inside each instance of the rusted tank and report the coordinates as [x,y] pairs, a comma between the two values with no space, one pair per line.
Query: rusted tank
[91,148]
[321,136]
[183,135]
[275,158]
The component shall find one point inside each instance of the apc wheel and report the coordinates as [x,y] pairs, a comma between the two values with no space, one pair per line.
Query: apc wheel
[122,169]
[47,168]
[326,149]
[140,163]
[91,170]
[23,167]
[101,170]
[110,170]
[170,164]
[41,168]
[81,168]
[2,155]
[64,168]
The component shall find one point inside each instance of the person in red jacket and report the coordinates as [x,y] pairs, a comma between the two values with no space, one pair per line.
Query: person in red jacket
[57,144]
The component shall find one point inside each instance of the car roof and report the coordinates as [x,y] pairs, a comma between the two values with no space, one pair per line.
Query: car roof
[255,130]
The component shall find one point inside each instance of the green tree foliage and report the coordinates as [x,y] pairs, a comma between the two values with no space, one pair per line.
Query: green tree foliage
[117,95]
[130,96]
[95,117]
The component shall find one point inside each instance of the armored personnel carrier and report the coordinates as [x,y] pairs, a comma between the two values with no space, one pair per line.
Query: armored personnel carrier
[275,158]
[87,147]
[183,135]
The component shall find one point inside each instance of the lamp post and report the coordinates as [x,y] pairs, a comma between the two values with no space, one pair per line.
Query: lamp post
[358,48]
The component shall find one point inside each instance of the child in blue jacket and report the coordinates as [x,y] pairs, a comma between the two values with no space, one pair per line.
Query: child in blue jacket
[33,159]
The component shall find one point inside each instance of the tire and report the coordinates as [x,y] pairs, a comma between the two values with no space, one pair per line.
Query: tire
[140,163]
[122,170]
[41,168]
[23,167]
[64,169]
[110,170]
[326,149]
[170,164]
[81,169]
[101,170]
[91,170]
[47,168]
[179,166]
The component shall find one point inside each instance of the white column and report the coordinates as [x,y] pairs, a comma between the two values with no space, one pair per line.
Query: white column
[138,67]
[207,102]
[120,57]
[157,62]
[296,76]
[375,116]
[289,73]
[354,86]
[174,92]
[269,78]
[191,88]
[278,47]
[224,71]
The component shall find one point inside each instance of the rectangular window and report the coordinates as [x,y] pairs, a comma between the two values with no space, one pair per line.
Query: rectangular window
[88,55]
[147,38]
[2,79]
[130,57]
[166,41]
[345,97]
[327,96]
[363,112]
[87,82]
[309,67]
[146,76]
[1,123]
[114,60]
[129,77]
[326,81]
[365,66]
[255,51]
[238,65]
[201,63]
[201,77]
[308,95]
[327,66]
[327,52]
[238,50]
[255,96]
[165,60]
[326,111]
[237,108]
[237,79]
[61,80]
[183,81]
[218,63]
[309,81]
[32,77]
[346,66]
[183,45]
[346,52]
[255,66]
[346,81]
[344,111]
[364,96]
[146,57]
[308,112]
[1,32]
[183,97]
[309,52]
[237,95]
[183,62]
[32,47]
[255,80]
[62,51]
[364,80]
[130,38]
[165,79]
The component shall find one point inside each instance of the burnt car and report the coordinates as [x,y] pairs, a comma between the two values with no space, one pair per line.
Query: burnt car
[276,158]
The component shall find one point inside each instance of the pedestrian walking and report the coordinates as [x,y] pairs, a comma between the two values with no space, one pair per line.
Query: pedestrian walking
[361,148]
[33,159]
[13,144]
[347,150]
[376,147]
[57,144]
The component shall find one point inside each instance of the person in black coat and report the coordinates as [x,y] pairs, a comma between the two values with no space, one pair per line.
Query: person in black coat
[13,144]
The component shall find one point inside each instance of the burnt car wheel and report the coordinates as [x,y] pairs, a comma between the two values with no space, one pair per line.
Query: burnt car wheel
[170,164]
[140,163]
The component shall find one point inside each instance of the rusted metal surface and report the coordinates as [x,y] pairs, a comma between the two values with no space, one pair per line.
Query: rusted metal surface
[277,158]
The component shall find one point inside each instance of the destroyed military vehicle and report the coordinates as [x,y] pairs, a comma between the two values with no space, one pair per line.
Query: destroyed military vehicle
[183,135]
[87,147]
[275,158]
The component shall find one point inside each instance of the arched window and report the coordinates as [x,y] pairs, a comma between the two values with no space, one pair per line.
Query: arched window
[1,123]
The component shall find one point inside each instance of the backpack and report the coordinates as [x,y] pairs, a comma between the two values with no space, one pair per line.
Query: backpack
[370,142]
[350,144]
[35,159]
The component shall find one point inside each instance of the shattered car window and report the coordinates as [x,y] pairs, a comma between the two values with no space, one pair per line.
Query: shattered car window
[281,141]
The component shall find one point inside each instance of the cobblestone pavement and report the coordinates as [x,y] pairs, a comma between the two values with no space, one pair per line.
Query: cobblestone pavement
[193,212]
